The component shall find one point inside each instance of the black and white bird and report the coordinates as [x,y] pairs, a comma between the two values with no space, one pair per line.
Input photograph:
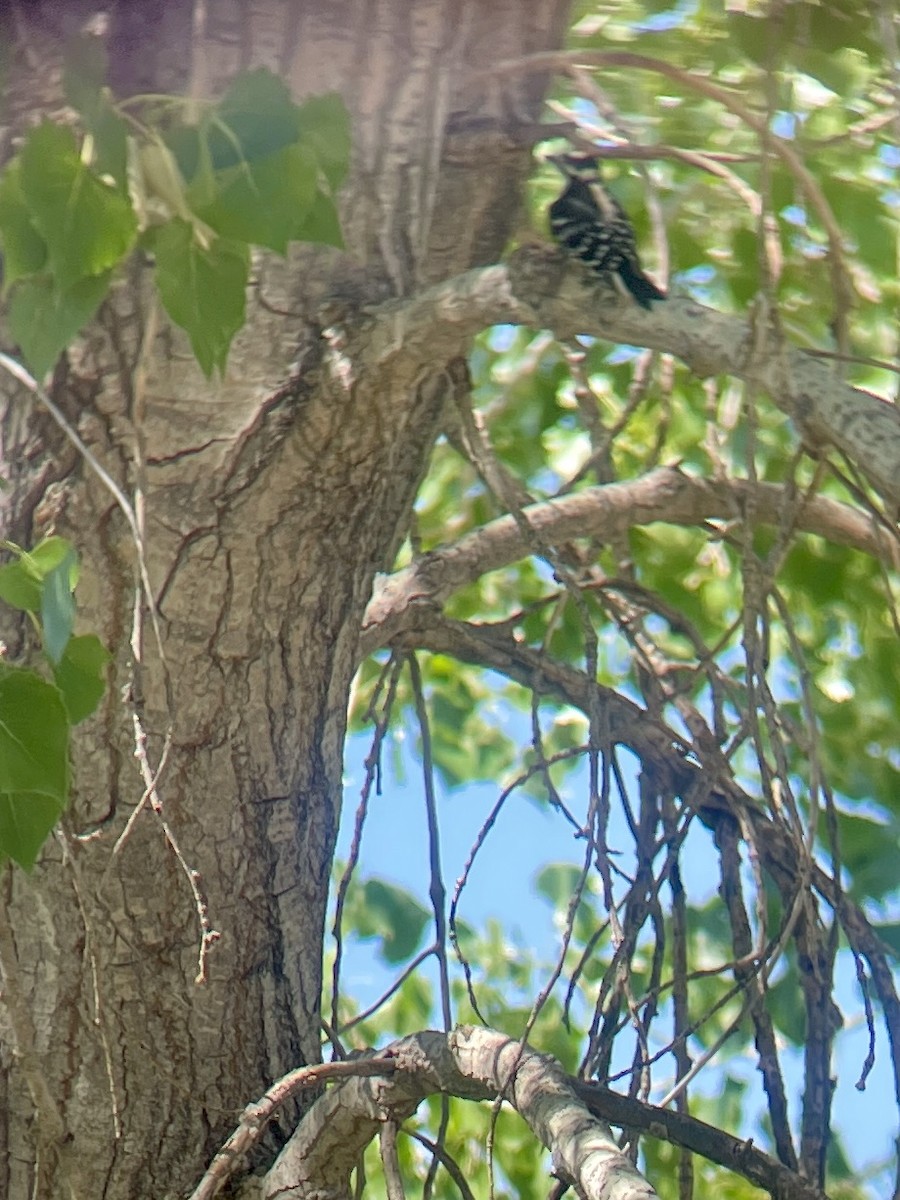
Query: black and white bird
[590,223]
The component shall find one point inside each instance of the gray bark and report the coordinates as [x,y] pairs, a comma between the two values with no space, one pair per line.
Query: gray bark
[269,501]
[470,1062]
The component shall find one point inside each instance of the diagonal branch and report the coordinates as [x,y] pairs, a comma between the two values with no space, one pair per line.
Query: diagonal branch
[707,786]
[666,494]
[569,1117]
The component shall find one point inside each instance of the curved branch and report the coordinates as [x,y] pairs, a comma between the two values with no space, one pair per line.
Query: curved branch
[666,494]
[539,288]
[569,1117]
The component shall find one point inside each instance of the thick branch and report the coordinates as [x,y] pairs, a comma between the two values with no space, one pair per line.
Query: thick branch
[475,1064]
[584,1151]
[569,1117]
[535,288]
[665,494]
[710,1143]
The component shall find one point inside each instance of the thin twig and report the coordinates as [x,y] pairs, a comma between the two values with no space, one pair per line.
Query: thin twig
[389,679]
[437,892]
[255,1116]
[390,1162]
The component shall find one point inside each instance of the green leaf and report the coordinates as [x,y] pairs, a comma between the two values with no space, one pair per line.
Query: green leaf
[19,587]
[162,179]
[753,36]
[24,250]
[324,124]
[256,117]
[85,67]
[47,555]
[43,318]
[187,144]
[26,820]
[831,30]
[202,289]
[782,1003]
[22,581]
[204,179]
[254,166]
[890,935]
[110,142]
[265,202]
[842,71]
[34,764]
[744,277]
[88,225]
[58,608]
[557,882]
[321,224]
[390,913]
[79,675]
[870,851]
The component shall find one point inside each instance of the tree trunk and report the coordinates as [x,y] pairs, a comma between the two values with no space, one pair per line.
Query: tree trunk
[167,951]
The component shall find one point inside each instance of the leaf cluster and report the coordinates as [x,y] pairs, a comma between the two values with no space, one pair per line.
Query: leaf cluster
[37,713]
[194,186]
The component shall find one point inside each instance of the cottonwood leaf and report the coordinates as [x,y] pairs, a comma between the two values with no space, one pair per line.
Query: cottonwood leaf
[202,288]
[88,225]
[34,762]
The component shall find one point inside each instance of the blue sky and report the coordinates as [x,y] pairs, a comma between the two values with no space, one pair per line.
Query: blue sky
[529,836]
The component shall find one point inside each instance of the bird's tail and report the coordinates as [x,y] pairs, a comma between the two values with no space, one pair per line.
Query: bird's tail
[643,289]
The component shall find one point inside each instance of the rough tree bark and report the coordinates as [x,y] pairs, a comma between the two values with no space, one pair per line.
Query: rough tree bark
[268,501]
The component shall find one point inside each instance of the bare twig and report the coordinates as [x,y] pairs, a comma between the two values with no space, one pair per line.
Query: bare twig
[255,1116]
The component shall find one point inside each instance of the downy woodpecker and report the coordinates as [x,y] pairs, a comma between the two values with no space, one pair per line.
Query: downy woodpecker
[591,224]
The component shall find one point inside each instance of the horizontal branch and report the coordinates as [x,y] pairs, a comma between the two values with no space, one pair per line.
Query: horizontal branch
[538,288]
[666,494]
[572,1119]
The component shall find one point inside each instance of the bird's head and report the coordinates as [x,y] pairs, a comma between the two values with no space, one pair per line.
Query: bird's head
[577,167]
